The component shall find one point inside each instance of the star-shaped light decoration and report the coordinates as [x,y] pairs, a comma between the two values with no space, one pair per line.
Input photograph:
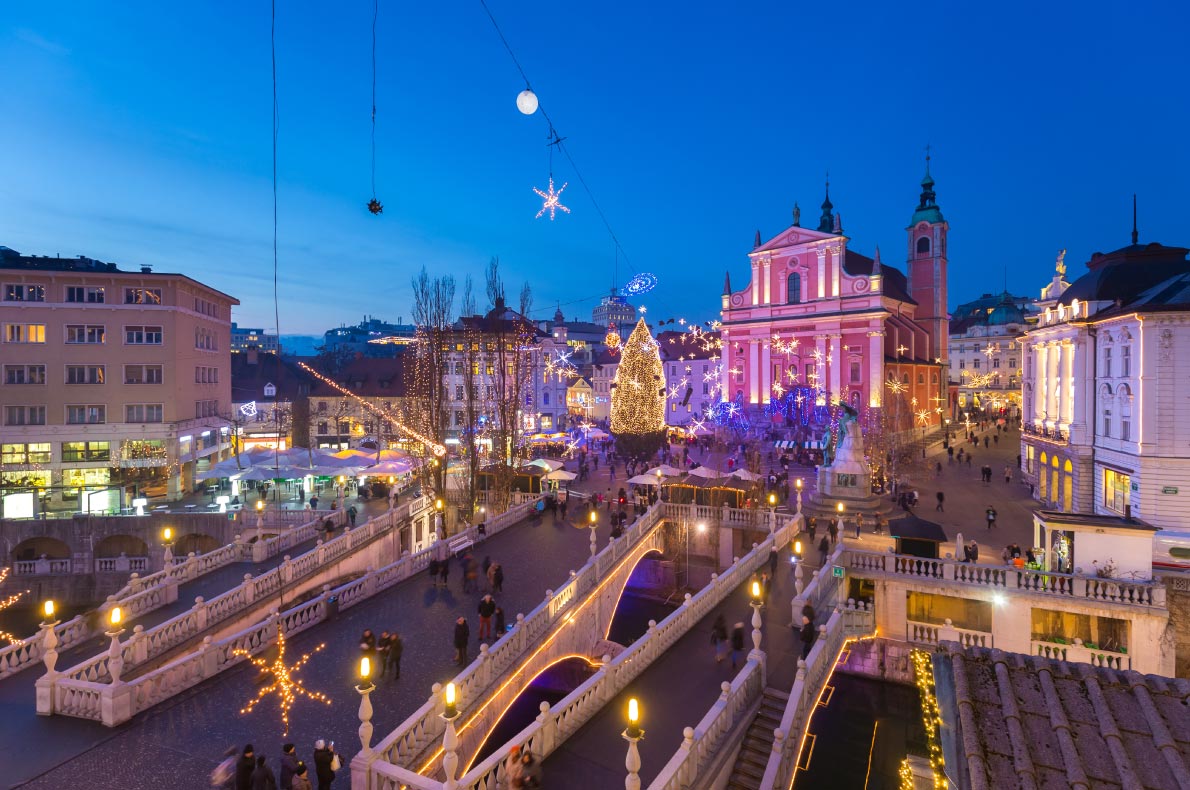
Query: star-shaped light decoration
[552,202]
[375,206]
[287,687]
[4,604]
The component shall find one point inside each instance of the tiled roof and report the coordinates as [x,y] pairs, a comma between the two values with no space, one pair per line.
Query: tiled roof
[895,284]
[1019,721]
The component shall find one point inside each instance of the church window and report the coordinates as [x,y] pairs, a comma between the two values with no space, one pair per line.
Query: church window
[923,245]
[921,378]
[855,372]
[905,379]
[793,292]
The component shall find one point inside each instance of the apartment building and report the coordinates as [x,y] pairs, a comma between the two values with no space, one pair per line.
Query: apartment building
[112,383]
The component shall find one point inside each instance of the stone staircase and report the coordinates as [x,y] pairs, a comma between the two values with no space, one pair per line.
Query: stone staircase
[758,742]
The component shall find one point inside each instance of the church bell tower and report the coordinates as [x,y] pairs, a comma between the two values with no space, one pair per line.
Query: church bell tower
[927,267]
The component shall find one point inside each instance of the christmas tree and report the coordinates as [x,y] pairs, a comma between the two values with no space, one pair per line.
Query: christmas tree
[638,395]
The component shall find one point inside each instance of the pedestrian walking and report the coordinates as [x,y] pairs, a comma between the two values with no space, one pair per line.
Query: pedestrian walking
[501,626]
[263,777]
[498,578]
[985,442]
[351,514]
[462,637]
[244,768]
[382,648]
[486,608]
[485,567]
[773,561]
[833,529]
[811,528]
[719,638]
[490,573]
[444,571]
[859,523]
[991,514]
[824,550]
[808,635]
[564,509]
[395,648]
[737,644]
[367,645]
[968,460]
[434,571]
[314,501]
[1007,474]
[324,759]
[289,764]
[941,498]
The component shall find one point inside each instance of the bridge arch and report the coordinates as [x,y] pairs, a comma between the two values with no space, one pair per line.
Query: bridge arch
[115,545]
[525,711]
[35,548]
[196,542]
[636,567]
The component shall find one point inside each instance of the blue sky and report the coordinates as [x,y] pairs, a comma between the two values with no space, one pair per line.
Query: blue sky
[139,133]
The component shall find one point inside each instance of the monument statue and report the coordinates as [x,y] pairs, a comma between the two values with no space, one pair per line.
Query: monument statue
[844,473]
[1060,266]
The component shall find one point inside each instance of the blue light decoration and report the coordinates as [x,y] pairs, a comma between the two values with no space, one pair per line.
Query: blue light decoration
[640,284]
[729,414]
[796,406]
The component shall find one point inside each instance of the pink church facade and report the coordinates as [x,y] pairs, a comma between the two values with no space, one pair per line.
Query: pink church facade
[818,315]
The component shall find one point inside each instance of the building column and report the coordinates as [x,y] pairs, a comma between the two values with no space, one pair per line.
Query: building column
[766,373]
[821,272]
[768,282]
[837,269]
[1054,378]
[836,362]
[755,283]
[753,371]
[1039,383]
[1067,382]
[875,368]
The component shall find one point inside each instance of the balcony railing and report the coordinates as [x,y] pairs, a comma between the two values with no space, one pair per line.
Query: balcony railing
[1077,651]
[1055,435]
[929,634]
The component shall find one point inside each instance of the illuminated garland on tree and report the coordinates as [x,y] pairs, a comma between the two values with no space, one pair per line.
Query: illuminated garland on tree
[7,602]
[931,714]
[287,687]
[638,394]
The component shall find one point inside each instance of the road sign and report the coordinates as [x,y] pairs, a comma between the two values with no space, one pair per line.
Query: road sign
[837,571]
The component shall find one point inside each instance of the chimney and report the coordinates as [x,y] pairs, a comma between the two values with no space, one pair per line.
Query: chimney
[252,356]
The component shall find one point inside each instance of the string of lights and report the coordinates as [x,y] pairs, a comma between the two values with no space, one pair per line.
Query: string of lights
[285,685]
[7,602]
[931,715]
[438,449]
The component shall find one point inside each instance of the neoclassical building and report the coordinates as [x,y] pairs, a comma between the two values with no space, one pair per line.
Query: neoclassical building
[1106,414]
[822,320]
[985,358]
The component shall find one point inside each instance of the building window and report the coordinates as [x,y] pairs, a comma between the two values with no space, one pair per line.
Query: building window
[996,362]
[1107,361]
[793,288]
[458,392]
[460,420]
[206,408]
[142,296]
[205,339]
[142,335]
[1107,423]
[962,364]
[923,245]
[79,333]
[1011,363]
[84,294]
[207,375]
[1125,428]
[143,412]
[24,293]
[86,415]
[1116,490]
[86,451]
[24,374]
[921,378]
[37,453]
[142,374]
[24,415]
[24,333]
[545,399]
[322,407]
[1126,360]
[975,363]
[84,374]
[322,428]
[855,372]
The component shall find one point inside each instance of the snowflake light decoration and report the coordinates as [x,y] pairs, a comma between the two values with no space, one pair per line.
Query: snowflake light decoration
[640,284]
[285,685]
[552,200]
[4,604]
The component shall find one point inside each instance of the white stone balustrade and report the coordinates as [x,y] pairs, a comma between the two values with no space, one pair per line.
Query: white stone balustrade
[930,634]
[1078,651]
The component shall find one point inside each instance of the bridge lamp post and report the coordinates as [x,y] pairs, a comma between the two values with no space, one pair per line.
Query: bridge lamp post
[450,740]
[365,703]
[633,733]
[772,512]
[840,508]
[342,490]
[115,661]
[439,506]
[756,603]
[594,521]
[798,486]
[167,538]
[49,638]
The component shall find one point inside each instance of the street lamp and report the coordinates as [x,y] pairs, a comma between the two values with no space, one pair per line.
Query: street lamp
[365,703]
[167,538]
[798,486]
[450,740]
[439,506]
[633,733]
[49,639]
[115,661]
[593,522]
[839,508]
[756,603]
[772,512]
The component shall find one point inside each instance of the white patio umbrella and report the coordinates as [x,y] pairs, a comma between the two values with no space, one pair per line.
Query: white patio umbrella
[744,474]
[560,474]
[545,463]
[707,472]
[644,480]
[596,433]
[263,472]
[386,468]
[665,469]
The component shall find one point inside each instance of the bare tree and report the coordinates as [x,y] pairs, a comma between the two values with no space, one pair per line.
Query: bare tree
[474,402]
[433,314]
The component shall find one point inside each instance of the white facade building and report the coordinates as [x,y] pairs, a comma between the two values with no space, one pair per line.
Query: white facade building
[1107,369]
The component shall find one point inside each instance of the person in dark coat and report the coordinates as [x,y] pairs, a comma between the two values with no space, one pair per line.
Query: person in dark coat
[367,645]
[322,764]
[395,648]
[244,768]
[487,608]
[498,578]
[824,550]
[501,626]
[809,634]
[289,764]
[462,637]
[262,777]
[444,571]
[737,643]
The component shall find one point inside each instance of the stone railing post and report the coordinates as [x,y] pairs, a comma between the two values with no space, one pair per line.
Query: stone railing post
[286,570]
[210,658]
[484,671]
[240,547]
[191,572]
[200,613]
[134,584]
[519,631]
[247,586]
[1080,587]
[947,632]
[948,570]
[320,547]
[139,644]
[549,729]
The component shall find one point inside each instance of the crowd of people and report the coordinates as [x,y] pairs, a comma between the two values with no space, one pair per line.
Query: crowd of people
[244,769]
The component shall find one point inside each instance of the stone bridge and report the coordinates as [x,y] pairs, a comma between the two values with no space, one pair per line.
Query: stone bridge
[424,751]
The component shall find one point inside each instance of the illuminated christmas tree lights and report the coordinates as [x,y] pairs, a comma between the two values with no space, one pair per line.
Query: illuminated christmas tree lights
[638,394]
[285,685]
[7,602]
